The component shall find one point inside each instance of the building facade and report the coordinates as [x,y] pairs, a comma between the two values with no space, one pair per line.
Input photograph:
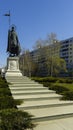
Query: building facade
[66,52]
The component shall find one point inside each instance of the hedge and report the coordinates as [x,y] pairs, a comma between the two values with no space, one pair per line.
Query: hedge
[13,119]
[10,117]
[53,79]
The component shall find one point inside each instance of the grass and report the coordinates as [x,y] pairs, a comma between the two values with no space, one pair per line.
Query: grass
[69,86]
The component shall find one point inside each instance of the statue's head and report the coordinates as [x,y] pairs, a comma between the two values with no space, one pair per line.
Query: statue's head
[13,28]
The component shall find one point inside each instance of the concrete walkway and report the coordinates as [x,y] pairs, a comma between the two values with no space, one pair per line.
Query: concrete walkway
[50,113]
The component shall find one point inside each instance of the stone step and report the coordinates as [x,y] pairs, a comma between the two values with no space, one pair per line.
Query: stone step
[37,97]
[13,79]
[44,102]
[25,84]
[25,80]
[44,105]
[19,79]
[32,92]
[16,77]
[58,124]
[22,78]
[51,113]
[27,88]
[53,117]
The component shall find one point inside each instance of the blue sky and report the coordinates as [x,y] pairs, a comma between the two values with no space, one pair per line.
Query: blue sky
[35,19]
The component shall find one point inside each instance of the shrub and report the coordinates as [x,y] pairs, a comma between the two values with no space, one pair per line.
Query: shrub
[58,88]
[18,101]
[68,95]
[46,84]
[64,80]
[5,91]
[46,79]
[60,80]
[6,99]
[50,79]
[3,84]
[69,81]
[7,102]
[12,119]
[53,80]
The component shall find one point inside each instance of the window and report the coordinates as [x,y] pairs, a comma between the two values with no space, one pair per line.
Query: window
[66,60]
[67,41]
[70,52]
[70,61]
[71,40]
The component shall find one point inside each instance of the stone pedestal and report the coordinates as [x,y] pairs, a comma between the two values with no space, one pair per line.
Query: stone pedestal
[13,67]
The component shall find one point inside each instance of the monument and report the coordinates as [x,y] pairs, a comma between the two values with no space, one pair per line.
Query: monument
[13,48]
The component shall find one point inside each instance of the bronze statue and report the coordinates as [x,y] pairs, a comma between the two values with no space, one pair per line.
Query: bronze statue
[13,43]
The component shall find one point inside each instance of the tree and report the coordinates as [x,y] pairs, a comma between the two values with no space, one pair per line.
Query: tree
[49,56]
[40,57]
[55,66]
[28,66]
[52,38]
[38,44]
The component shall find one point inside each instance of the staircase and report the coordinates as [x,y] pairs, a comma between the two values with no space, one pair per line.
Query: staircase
[50,113]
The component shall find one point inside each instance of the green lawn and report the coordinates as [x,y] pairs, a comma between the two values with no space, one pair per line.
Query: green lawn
[66,85]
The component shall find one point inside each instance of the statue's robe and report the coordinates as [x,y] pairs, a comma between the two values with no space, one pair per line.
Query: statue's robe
[13,43]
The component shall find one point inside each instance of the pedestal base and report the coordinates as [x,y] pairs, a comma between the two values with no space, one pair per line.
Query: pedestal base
[13,67]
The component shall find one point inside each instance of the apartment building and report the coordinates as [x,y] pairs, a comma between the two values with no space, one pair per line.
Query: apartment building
[66,52]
